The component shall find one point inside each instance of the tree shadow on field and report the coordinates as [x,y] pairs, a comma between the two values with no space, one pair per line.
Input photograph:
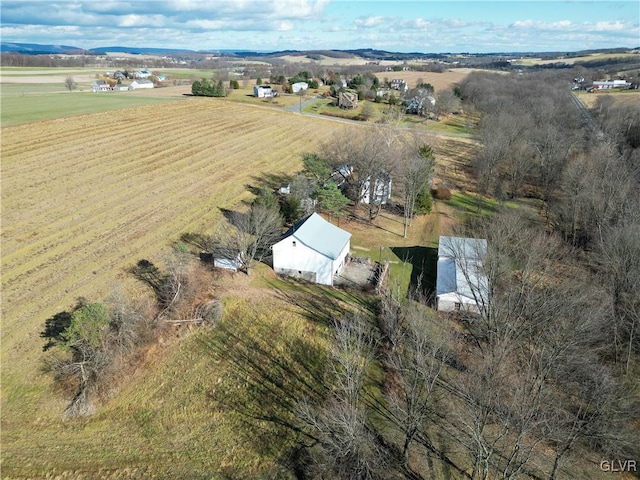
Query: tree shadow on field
[270,180]
[322,305]
[266,371]
[424,261]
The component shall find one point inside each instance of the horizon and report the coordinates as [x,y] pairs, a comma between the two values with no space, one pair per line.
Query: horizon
[479,27]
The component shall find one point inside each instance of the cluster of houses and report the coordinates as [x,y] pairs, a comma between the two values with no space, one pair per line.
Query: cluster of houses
[579,84]
[141,79]
[105,86]
[609,85]
[266,91]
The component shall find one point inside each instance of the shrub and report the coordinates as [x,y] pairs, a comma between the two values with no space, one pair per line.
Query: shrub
[423,202]
[441,193]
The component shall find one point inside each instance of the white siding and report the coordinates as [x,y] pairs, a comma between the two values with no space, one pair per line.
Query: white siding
[451,302]
[341,260]
[303,262]
[289,260]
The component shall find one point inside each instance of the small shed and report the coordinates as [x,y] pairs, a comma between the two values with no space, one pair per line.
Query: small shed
[226,263]
[461,284]
[313,250]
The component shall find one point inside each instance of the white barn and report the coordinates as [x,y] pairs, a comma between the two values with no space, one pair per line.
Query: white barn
[296,87]
[313,249]
[461,283]
[142,83]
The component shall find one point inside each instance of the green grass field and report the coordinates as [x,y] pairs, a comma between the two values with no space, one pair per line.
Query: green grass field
[28,108]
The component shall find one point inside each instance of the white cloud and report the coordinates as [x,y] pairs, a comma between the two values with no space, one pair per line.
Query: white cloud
[617,26]
[369,22]
[141,21]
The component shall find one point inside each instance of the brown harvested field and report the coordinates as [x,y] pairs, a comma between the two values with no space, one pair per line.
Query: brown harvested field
[84,198]
[440,81]
[626,96]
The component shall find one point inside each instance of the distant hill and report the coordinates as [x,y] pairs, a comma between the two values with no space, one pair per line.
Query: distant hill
[366,53]
[140,51]
[37,49]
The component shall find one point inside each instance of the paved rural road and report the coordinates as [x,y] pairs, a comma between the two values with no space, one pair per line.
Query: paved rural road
[296,109]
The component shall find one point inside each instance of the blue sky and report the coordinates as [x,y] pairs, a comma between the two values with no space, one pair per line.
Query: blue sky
[404,26]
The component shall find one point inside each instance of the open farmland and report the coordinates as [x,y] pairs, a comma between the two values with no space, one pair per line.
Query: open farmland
[440,81]
[83,198]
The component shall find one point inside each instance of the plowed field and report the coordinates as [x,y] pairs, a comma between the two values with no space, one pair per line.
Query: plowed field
[83,198]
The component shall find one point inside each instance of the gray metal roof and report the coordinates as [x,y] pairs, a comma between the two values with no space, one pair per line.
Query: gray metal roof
[460,267]
[462,247]
[318,234]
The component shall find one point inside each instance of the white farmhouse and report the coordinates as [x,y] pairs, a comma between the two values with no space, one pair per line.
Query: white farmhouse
[263,91]
[461,283]
[380,193]
[313,249]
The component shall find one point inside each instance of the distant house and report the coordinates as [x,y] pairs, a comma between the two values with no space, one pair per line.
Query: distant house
[100,86]
[347,100]
[399,84]
[143,74]
[296,87]
[380,193]
[419,103]
[285,189]
[461,285]
[263,91]
[610,85]
[313,249]
[383,92]
[140,83]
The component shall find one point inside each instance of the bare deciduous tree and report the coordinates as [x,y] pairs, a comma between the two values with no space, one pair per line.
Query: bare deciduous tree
[251,235]
[70,83]
[364,160]
[416,367]
[345,447]
[414,171]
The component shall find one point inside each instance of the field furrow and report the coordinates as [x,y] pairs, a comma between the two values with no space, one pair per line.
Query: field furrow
[85,198]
